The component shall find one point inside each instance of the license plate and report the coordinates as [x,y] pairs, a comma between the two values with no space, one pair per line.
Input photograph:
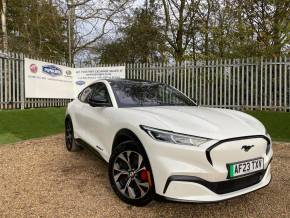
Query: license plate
[245,167]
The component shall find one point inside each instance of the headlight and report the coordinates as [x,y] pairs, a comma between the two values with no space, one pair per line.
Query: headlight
[175,138]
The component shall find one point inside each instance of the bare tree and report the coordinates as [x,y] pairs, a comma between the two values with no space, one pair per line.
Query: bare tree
[179,23]
[270,22]
[70,27]
[5,48]
[4,27]
[90,20]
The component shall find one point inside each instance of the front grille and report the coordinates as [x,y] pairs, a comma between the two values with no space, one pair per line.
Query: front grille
[235,184]
[222,187]
[208,150]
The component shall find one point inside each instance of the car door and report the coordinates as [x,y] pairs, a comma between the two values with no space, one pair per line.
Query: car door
[79,124]
[96,118]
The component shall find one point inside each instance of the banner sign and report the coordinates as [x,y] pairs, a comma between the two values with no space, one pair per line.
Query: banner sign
[47,80]
[84,76]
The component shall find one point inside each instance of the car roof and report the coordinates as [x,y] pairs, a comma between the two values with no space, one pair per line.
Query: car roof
[120,80]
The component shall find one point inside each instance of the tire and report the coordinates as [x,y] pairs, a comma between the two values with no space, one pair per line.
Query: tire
[70,141]
[131,175]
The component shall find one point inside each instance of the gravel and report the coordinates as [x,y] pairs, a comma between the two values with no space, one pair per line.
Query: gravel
[39,178]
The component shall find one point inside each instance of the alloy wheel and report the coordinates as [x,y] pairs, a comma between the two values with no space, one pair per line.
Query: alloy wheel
[130,174]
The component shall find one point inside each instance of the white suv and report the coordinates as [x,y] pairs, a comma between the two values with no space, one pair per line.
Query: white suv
[158,142]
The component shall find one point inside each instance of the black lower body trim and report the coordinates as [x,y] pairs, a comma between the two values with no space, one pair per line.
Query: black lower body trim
[88,147]
[221,187]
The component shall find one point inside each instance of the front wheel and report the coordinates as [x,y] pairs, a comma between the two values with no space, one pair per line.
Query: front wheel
[130,174]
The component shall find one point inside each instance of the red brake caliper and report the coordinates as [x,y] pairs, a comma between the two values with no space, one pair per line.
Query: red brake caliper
[145,176]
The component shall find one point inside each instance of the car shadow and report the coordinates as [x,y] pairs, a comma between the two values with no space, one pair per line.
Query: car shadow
[90,154]
[259,203]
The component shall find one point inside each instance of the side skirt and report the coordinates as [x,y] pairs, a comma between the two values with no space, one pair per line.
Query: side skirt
[89,148]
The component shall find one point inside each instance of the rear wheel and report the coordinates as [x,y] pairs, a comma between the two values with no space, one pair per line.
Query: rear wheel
[70,141]
[130,174]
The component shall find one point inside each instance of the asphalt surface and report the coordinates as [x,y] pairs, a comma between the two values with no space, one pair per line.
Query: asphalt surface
[39,178]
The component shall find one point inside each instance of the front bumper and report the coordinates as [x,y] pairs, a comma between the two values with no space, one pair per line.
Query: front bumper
[184,173]
[190,191]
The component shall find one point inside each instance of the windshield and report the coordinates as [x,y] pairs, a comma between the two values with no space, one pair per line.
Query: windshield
[137,94]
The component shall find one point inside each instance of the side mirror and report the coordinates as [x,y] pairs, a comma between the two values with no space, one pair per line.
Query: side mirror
[98,102]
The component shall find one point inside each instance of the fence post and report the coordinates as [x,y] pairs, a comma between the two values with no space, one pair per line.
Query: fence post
[285,84]
[22,92]
[1,84]
[6,81]
[261,84]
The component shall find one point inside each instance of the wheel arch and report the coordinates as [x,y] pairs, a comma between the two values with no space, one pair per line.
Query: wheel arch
[124,135]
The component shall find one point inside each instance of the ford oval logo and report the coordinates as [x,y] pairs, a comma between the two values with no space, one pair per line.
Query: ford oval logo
[52,70]
[80,82]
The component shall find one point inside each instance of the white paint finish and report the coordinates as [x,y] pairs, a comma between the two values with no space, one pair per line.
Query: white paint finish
[98,127]
[197,193]
[203,121]
[230,152]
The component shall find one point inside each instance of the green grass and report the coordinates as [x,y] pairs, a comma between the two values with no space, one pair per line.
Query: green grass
[17,125]
[276,123]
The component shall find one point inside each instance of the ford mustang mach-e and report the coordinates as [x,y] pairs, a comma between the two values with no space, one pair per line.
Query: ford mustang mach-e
[159,142]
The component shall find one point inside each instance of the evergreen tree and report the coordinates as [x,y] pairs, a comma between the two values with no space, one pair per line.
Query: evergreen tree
[35,27]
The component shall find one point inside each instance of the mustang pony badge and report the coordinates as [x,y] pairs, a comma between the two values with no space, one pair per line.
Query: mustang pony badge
[246,148]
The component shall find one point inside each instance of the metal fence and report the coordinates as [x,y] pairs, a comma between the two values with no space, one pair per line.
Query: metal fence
[251,83]
[12,86]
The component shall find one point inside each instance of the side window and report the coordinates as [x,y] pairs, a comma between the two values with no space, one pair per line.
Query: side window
[100,93]
[83,97]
